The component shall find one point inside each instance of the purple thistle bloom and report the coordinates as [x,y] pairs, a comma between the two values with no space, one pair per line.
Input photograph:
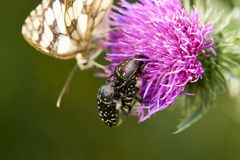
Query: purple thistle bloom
[168,39]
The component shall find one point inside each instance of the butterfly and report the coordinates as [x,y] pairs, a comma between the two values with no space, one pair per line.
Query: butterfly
[67,29]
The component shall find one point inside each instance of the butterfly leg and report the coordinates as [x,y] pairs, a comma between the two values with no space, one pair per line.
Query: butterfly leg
[103,32]
[95,55]
[104,68]
[100,66]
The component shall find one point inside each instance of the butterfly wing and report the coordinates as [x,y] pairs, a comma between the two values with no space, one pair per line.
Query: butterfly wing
[87,22]
[45,30]
[63,28]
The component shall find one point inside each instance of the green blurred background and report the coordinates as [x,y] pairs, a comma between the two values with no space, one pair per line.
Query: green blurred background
[32,128]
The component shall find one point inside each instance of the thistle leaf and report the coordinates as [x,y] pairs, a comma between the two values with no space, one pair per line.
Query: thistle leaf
[190,119]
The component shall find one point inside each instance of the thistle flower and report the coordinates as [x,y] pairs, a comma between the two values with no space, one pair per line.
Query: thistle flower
[169,41]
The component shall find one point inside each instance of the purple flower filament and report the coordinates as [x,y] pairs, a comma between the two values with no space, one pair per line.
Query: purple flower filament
[168,39]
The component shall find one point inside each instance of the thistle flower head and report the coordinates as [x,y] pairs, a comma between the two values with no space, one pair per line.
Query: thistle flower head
[168,40]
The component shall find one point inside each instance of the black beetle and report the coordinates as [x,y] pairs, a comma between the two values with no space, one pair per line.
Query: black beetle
[118,95]
[107,104]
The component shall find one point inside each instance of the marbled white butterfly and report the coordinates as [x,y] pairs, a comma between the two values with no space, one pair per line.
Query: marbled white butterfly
[68,29]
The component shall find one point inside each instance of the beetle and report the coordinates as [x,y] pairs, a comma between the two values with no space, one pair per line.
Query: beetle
[125,76]
[126,71]
[107,104]
[117,97]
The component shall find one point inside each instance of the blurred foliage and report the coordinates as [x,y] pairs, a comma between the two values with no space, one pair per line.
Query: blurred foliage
[216,68]
[32,128]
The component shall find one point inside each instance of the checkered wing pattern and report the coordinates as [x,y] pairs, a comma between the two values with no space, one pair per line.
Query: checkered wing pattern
[64,28]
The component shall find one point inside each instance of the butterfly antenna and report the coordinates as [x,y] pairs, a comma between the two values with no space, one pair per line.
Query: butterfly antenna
[66,85]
